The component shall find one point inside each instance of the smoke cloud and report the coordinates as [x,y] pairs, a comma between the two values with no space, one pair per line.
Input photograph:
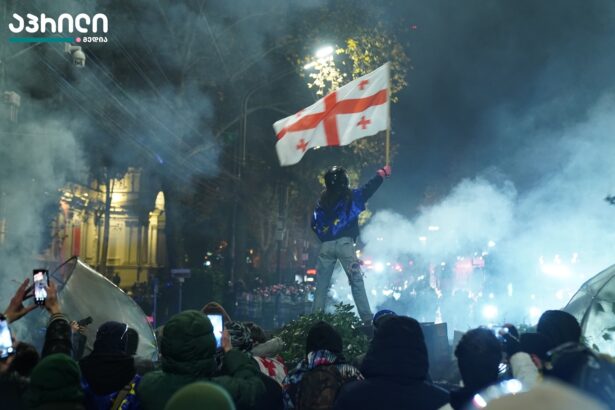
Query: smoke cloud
[539,245]
[35,163]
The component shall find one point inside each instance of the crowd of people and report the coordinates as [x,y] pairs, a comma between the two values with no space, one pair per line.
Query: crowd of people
[547,369]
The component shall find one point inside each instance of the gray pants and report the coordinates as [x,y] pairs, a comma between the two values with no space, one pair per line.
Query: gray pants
[342,249]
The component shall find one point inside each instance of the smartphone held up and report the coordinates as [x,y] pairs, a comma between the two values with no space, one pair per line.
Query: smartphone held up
[40,282]
[6,341]
[218,324]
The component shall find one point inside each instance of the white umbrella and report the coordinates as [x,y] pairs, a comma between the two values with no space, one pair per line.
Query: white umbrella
[594,307]
[84,292]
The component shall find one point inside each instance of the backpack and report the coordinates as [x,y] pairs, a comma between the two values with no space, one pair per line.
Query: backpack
[318,388]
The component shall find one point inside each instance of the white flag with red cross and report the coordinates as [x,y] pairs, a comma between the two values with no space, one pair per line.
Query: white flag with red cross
[358,109]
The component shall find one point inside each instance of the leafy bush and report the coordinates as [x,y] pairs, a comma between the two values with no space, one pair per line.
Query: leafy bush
[343,320]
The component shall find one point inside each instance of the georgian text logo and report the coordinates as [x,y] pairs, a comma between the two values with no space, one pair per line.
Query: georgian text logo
[56,28]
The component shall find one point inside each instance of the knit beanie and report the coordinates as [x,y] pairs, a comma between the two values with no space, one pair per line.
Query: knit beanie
[560,327]
[200,395]
[322,336]
[56,378]
[188,344]
[382,315]
[111,337]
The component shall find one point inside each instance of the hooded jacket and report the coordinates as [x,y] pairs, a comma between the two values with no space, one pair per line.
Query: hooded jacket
[109,369]
[201,395]
[187,348]
[54,383]
[395,370]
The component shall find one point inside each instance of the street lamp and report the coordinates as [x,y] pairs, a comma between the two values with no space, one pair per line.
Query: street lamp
[323,54]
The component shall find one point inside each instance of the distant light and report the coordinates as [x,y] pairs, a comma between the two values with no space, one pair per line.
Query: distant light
[380,238]
[443,263]
[479,401]
[207,263]
[559,294]
[490,312]
[491,296]
[374,293]
[534,314]
[509,288]
[556,270]
[513,386]
[422,238]
[491,244]
[117,197]
[309,65]
[433,228]
[324,52]
[387,292]
[311,271]
[485,253]
[367,262]
[396,295]
[379,267]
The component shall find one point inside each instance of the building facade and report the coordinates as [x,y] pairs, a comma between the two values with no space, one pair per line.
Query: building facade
[136,246]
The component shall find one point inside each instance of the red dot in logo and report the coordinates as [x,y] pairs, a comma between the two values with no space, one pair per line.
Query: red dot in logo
[78,39]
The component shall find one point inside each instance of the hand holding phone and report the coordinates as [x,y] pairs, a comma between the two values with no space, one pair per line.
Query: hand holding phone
[16,309]
[40,282]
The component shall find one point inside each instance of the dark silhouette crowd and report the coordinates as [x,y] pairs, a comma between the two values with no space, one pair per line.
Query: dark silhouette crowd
[547,369]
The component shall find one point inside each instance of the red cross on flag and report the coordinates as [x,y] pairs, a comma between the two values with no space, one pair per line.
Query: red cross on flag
[358,109]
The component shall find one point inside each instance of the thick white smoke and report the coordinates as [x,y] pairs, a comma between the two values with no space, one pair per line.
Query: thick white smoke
[540,244]
[36,162]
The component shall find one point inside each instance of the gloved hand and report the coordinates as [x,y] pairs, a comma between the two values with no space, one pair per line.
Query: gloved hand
[385,171]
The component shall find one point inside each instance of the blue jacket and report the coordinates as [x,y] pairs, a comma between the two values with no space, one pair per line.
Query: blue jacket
[343,219]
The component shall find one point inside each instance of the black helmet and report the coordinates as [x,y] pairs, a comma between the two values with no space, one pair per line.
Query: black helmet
[336,179]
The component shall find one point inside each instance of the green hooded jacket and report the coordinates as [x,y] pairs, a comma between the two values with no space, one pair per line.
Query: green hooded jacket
[187,348]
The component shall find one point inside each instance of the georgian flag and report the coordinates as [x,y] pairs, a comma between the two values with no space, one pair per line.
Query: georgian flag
[358,109]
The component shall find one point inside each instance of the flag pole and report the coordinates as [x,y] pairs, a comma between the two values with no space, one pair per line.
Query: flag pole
[387,141]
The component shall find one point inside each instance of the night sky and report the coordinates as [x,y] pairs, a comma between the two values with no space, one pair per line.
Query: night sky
[481,71]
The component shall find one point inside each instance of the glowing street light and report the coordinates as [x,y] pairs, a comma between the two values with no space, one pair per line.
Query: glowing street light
[322,55]
[490,312]
[324,52]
